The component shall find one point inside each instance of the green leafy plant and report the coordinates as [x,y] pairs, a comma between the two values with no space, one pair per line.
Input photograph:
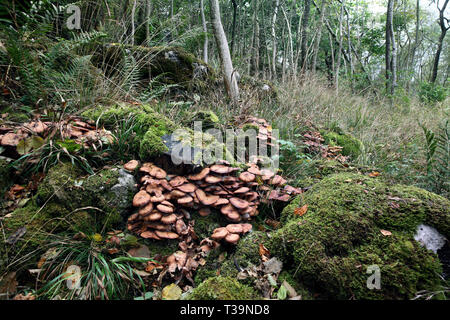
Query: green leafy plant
[432,93]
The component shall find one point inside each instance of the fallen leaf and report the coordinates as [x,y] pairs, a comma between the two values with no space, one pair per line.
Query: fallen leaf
[301,211]
[385,232]
[290,291]
[374,174]
[263,251]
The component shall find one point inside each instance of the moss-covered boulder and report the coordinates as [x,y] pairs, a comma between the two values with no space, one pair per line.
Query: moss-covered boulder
[222,288]
[68,202]
[351,146]
[331,246]
[312,171]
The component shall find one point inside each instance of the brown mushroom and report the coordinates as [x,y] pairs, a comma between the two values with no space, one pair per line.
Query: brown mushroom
[158,198]
[131,165]
[221,202]
[187,187]
[267,174]
[228,209]
[11,139]
[180,226]
[141,199]
[234,216]
[246,227]
[239,203]
[232,238]
[146,210]
[204,212]
[158,173]
[200,175]
[150,235]
[254,170]
[213,179]
[164,209]
[278,180]
[177,194]
[167,234]
[154,216]
[177,181]
[205,199]
[220,168]
[234,228]
[171,218]
[185,200]
[247,177]
[242,190]
[219,233]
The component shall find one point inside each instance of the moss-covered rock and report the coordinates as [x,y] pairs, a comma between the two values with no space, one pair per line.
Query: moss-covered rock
[312,171]
[208,118]
[351,146]
[339,236]
[222,288]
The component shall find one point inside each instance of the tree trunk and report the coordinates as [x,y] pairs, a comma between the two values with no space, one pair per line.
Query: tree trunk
[224,52]
[339,53]
[305,25]
[444,30]
[205,31]
[274,40]
[147,22]
[255,42]
[290,47]
[389,20]
[133,26]
[233,26]
[319,35]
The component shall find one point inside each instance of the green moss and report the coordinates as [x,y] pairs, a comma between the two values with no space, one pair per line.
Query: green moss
[208,118]
[339,236]
[164,248]
[247,250]
[250,126]
[151,146]
[222,288]
[350,145]
[6,174]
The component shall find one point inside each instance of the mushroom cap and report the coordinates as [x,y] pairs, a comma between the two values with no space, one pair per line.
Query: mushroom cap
[232,238]
[221,201]
[247,177]
[184,200]
[167,234]
[219,233]
[254,170]
[133,217]
[242,190]
[171,218]
[252,195]
[154,216]
[167,203]
[131,165]
[278,180]
[205,199]
[246,227]
[234,228]
[267,174]
[149,235]
[141,198]
[204,212]
[177,181]
[158,226]
[166,185]
[234,216]
[212,179]
[146,210]
[200,175]
[227,209]
[164,209]
[158,173]
[180,226]
[158,198]
[37,127]
[221,169]
[177,194]
[239,203]
[187,187]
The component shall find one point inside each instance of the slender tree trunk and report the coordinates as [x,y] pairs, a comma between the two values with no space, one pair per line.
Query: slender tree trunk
[205,31]
[255,41]
[394,57]
[133,26]
[233,26]
[339,53]
[444,30]
[290,47]
[147,22]
[319,34]
[224,52]
[305,25]
[274,40]
[389,19]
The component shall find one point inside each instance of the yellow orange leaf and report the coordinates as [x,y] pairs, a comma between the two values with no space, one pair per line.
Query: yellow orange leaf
[385,232]
[374,174]
[301,211]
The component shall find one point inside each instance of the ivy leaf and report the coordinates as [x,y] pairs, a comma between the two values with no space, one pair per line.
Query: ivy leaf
[282,293]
